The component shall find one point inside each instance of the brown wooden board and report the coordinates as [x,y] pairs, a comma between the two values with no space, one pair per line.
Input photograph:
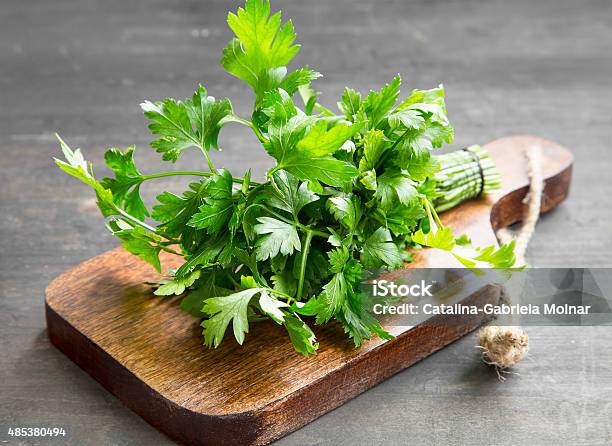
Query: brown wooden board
[149,353]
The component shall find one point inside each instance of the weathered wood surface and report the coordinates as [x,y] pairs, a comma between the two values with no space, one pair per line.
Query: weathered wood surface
[149,353]
[509,68]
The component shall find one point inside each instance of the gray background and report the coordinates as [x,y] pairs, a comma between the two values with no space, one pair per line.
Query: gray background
[520,67]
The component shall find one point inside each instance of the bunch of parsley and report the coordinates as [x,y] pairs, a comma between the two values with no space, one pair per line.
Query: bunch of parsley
[349,192]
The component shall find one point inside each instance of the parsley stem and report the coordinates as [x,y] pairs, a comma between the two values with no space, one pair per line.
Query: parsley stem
[256,130]
[305,248]
[432,215]
[279,293]
[260,136]
[402,136]
[320,233]
[258,277]
[464,174]
[429,217]
[277,215]
[210,164]
[135,220]
[142,224]
[435,214]
[170,250]
[191,173]
[231,278]
[169,174]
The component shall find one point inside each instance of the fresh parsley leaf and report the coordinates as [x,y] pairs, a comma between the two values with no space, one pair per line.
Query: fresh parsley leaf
[302,337]
[378,104]
[125,187]
[354,326]
[288,194]
[359,325]
[138,241]
[261,47]
[350,104]
[299,78]
[218,206]
[346,208]
[225,309]
[75,164]
[310,99]
[439,134]
[379,250]
[327,170]
[373,147]
[338,259]
[205,288]
[305,165]
[430,102]
[297,152]
[409,118]
[502,257]
[463,240]
[403,219]
[332,298]
[284,281]
[78,167]
[193,122]
[278,108]
[442,239]
[205,254]
[272,307]
[178,285]
[175,212]
[277,237]
[422,168]
[322,141]
[393,185]
[368,179]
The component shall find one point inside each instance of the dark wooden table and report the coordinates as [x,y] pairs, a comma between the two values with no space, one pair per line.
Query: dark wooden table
[82,67]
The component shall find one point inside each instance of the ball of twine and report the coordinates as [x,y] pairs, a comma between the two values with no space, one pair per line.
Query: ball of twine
[503,347]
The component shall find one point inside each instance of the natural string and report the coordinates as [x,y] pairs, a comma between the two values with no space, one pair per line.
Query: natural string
[533,199]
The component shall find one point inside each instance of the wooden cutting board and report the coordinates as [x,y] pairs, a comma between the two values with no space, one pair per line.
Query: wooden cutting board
[149,353]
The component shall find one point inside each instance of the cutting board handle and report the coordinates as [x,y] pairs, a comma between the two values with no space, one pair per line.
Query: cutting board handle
[509,155]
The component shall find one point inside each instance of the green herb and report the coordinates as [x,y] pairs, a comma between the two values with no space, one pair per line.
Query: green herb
[348,191]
